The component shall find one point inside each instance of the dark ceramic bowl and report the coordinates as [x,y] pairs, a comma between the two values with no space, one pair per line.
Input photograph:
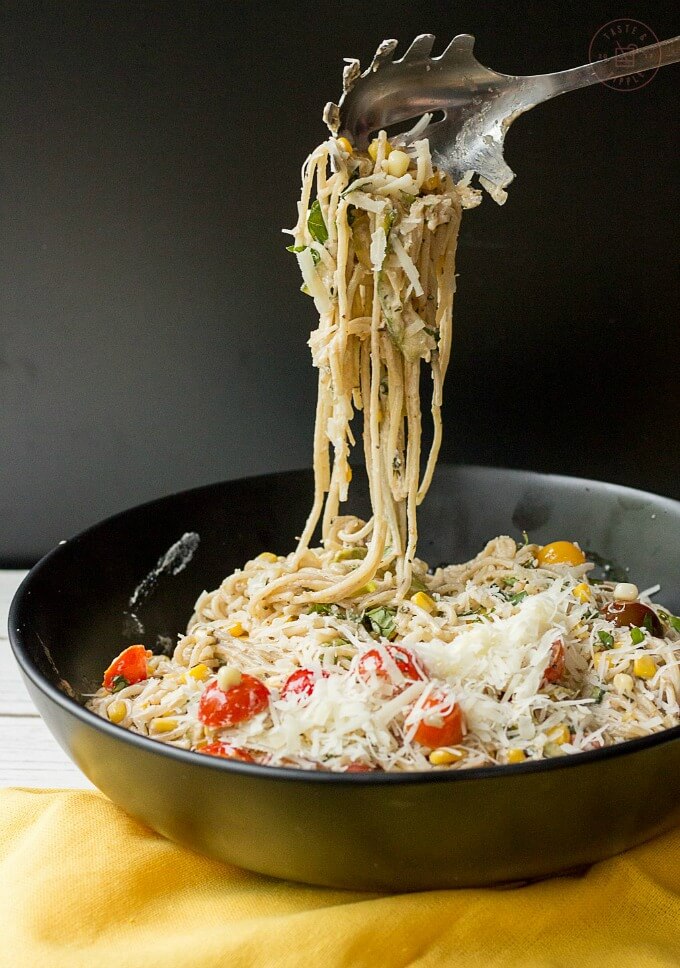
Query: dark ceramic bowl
[370,831]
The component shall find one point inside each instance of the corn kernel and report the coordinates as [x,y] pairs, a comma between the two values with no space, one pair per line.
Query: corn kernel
[626,591]
[237,630]
[623,683]
[552,749]
[644,667]
[348,474]
[423,600]
[432,184]
[227,677]
[373,149]
[368,588]
[116,711]
[442,757]
[559,735]
[560,553]
[397,163]
[345,145]
[200,671]
[515,755]
[582,593]
[164,724]
[267,556]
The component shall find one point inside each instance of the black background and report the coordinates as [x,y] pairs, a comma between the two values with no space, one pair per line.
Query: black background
[152,336]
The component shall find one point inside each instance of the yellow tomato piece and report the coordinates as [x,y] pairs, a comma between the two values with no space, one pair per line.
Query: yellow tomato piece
[560,553]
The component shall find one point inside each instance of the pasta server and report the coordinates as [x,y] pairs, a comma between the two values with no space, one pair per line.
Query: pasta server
[478,104]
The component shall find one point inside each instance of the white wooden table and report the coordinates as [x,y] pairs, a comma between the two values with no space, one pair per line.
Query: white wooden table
[29,757]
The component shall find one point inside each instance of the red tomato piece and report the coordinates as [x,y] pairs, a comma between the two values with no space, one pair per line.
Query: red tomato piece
[300,683]
[219,708]
[371,663]
[359,768]
[632,613]
[555,669]
[447,729]
[228,752]
[130,665]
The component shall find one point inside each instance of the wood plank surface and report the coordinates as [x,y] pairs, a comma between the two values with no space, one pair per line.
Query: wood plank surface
[29,756]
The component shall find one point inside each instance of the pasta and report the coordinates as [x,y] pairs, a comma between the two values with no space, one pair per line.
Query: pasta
[354,655]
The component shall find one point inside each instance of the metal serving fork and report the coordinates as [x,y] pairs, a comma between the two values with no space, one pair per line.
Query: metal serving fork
[479,104]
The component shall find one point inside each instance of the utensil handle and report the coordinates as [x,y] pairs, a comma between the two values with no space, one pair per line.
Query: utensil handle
[620,65]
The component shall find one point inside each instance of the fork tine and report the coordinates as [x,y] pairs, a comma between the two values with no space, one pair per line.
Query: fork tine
[383,54]
[420,48]
[460,43]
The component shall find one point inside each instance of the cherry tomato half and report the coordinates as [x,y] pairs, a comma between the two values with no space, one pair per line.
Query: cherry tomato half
[300,683]
[555,667]
[371,663]
[130,665]
[632,613]
[227,751]
[219,708]
[448,732]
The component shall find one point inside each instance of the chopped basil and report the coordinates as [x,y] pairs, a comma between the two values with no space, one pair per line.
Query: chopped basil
[606,638]
[416,586]
[597,693]
[315,223]
[381,620]
[301,248]
[118,683]
[321,609]
[610,570]
[525,541]
[516,599]
[636,635]
[509,581]
[350,554]
[648,623]
[674,622]
[388,221]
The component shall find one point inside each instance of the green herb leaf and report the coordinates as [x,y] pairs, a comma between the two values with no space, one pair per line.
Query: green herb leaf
[350,554]
[637,636]
[606,639]
[416,586]
[509,581]
[388,221]
[648,623]
[516,599]
[597,693]
[118,683]
[382,621]
[321,609]
[610,570]
[674,621]
[301,248]
[315,223]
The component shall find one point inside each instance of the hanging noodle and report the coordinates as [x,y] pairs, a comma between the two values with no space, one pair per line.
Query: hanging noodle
[353,655]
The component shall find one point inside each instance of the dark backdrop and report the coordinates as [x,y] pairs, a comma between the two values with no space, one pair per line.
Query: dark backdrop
[152,333]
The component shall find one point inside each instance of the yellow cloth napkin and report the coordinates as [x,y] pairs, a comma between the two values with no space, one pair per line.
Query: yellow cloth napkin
[82,885]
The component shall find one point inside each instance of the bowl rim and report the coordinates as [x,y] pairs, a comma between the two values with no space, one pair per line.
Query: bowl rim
[21,603]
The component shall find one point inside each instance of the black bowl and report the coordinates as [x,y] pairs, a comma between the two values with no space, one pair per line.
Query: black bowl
[361,831]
